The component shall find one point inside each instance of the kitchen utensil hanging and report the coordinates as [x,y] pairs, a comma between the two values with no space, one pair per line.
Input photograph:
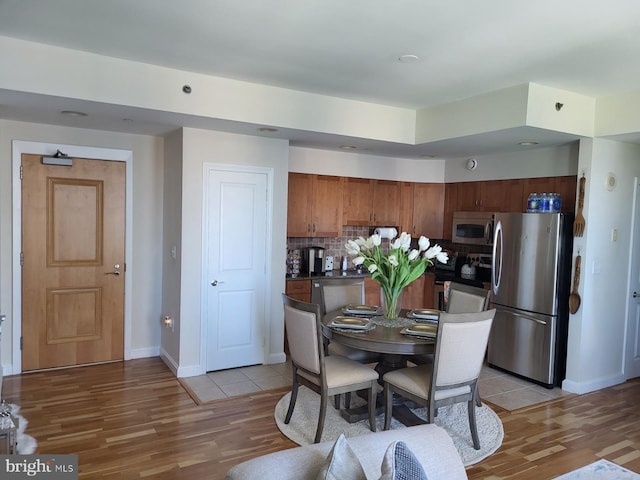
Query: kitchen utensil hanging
[579,222]
[574,297]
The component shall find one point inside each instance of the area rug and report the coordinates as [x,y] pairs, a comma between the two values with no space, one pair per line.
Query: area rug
[26,444]
[600,470]
[454,419]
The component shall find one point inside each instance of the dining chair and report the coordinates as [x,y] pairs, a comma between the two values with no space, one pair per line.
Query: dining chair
[337,294]
[466,298]
[461,343]
[461,299]
[325,375]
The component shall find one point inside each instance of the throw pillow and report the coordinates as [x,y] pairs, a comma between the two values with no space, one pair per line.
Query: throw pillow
[342,463]
[399,463]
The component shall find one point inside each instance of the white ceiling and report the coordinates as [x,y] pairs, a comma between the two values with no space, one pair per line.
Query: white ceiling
[341,48]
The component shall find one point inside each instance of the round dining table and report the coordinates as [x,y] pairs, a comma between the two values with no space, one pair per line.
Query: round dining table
[395,349]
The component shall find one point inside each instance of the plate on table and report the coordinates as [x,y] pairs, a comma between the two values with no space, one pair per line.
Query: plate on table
[421,330]
[360,309]
[427,314]
[353,323]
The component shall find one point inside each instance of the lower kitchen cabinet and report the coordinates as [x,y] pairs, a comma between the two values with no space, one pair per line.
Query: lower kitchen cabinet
[299,289]
[371,291]
[412,298]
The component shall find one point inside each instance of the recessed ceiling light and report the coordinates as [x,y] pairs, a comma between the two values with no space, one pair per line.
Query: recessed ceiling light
[348,147]
[409,58]
[427,156]
[73,113]
[527,144]
[267,129]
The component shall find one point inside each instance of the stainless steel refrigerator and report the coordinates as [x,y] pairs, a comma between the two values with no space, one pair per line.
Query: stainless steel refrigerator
[531,274]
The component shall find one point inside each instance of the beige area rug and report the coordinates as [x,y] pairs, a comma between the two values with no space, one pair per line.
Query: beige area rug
[454,419]
[600,470]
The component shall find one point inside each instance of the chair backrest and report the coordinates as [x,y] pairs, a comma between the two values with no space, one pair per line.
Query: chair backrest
[467,299]
[460,347]
[304,335]
[340,292]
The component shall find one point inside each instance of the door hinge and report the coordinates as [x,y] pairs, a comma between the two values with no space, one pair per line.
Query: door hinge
[21,172]
[22,259]
[21,338]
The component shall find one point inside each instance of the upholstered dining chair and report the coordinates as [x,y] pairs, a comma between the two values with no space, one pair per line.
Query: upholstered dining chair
[336,294]
[467,299]
[461,343]
[326,375]
[461,299]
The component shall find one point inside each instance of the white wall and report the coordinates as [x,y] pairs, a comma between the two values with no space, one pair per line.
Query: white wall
[528,163]
[198,147]
[147,225]
[595,356]
[349,164]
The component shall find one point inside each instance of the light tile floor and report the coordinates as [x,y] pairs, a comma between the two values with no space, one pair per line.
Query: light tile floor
[497,387]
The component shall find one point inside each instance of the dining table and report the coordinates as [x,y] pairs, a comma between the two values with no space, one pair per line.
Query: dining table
[389,338]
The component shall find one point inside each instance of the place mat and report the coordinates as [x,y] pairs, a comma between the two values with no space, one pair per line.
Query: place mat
[393,323]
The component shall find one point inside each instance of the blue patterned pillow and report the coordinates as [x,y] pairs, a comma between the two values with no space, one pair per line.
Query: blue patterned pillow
[400,463]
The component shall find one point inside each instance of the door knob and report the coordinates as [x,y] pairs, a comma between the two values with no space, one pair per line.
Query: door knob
[215,283]
[116,271]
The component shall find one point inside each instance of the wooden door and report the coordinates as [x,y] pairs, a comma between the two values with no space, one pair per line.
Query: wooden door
[428,209]
[236,266]
[73,239]
[357,198]
[386,203]
[327,206]
[299,205]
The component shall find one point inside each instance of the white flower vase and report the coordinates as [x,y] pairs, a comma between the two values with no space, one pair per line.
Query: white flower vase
[391,303]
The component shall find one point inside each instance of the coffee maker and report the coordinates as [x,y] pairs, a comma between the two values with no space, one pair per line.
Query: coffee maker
[313,260]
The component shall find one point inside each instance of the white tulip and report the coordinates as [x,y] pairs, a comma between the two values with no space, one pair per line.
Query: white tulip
[397,243]
[413,254]
[376,240]
[423,243]
[393,260]
[358,260]
[433,251]
[352,247]
[442,257]
[372,268]
[405,241]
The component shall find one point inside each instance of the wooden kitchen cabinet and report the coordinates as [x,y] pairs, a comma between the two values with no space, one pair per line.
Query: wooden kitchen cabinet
[428,209]
[371,291]
[299,289]
[429,283]
[484,196]
[370,202]
[314,206]
[564,185]
[450,198]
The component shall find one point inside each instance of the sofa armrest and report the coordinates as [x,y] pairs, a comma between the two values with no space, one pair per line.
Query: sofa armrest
[430,444]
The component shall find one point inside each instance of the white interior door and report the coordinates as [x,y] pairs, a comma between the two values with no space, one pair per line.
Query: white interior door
[235,222]
[632,367]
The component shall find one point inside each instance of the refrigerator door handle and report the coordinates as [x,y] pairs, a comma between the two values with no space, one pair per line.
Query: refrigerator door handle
[524,315]
[496,266]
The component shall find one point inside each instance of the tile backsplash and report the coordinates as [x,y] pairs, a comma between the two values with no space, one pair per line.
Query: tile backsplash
[335,246]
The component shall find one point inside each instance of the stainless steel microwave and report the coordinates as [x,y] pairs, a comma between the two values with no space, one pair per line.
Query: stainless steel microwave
[475,228]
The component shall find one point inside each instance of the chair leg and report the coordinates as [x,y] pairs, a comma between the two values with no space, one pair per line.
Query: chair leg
[292,401]
[477,397]
[472,423]
[347,400]
[388,406]
[321,415]
[336,400]
[372,407]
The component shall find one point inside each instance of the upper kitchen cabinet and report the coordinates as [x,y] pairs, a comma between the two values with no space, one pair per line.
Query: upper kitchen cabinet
[487,196]
[422,209]
[565,186]
[371,202]
[314,206]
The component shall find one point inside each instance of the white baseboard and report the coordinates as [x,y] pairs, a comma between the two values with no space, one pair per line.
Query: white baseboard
[276,358]
[592,385]
[144,353]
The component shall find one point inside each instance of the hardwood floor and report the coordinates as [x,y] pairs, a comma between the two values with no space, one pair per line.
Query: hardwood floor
[134,420]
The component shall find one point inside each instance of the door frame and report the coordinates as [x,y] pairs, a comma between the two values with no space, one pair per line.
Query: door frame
[634,264]
[18,148]
[204,325]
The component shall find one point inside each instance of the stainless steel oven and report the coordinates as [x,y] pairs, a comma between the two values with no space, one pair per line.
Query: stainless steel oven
[474,228]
